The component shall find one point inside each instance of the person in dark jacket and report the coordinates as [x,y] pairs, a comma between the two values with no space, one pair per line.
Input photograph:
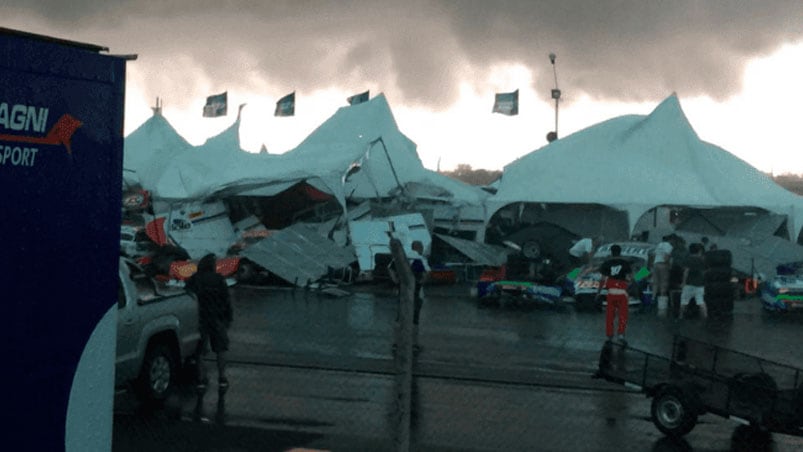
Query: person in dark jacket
[215,315]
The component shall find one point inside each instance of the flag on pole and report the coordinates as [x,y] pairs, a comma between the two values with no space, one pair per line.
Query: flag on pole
[286,106]
[216,105]
[358,98]
[507,103]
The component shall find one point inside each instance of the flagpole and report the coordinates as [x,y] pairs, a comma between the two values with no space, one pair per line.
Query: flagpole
[555,91]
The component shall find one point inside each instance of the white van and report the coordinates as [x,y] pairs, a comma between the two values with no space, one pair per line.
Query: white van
[371,240]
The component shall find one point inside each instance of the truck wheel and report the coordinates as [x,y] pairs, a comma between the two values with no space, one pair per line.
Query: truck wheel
[245,271]
[799,404]
[158,373]
[673,411]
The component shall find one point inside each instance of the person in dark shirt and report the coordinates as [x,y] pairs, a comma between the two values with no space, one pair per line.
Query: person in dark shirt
[693,281]
[215,315]
[616,273]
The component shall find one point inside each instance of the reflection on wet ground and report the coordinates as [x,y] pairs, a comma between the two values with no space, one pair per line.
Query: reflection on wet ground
[515,378]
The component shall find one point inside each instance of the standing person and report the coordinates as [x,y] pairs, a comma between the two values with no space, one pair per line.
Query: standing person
[583,250]
[420,267]
[215,315]
[693,282]
[660,273]
[617,274]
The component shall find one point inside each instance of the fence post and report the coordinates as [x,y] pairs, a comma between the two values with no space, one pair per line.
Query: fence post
[404,347]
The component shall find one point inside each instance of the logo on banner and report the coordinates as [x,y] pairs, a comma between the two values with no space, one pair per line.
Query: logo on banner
[27,125]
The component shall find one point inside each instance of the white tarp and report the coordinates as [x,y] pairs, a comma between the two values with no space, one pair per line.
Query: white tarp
[634,163]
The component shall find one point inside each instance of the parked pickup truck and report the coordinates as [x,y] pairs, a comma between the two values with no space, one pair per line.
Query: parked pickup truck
[157,332]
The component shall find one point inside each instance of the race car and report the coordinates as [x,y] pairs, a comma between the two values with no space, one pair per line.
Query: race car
[784,292]
[585,288]
[524,279]
[519,292]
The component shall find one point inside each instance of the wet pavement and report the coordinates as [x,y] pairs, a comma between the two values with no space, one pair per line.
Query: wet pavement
[316,371]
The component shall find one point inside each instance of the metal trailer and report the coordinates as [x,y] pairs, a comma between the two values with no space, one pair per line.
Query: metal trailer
[700,378]
[61,161]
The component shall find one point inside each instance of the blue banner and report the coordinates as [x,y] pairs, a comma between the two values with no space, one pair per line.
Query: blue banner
[507,103]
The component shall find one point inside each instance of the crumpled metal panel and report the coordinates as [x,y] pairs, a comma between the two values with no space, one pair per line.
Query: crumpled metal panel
[757,227]
[757,255]
[299,254]
[733,222]
[480,253]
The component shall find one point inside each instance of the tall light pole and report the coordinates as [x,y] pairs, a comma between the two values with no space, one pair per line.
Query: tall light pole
[552,136]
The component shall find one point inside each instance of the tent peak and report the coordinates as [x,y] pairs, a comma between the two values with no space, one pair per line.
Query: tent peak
[668,115]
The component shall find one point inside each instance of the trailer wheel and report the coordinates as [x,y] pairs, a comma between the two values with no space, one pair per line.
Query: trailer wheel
[755,393]
[749,438]
[673,411]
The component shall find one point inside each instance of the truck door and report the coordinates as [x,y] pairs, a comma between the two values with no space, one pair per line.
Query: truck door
[129,323]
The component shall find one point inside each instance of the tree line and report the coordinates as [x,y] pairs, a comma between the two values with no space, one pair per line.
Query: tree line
[465,173]
[791,182]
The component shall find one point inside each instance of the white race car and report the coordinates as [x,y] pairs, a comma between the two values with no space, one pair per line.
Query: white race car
[586,282]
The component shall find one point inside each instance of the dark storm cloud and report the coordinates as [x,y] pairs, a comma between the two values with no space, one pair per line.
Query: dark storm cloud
[419,51]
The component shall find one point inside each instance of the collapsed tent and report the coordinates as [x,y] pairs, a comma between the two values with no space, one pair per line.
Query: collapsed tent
[357,160]
[358,153]
[635,163]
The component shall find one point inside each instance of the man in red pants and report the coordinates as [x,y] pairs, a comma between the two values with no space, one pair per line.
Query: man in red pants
[616,274]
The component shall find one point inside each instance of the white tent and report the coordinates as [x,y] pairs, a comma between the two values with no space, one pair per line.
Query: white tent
[150,148]
[634,163]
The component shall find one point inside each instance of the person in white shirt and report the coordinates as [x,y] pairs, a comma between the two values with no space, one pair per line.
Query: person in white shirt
[420,267]
[582,251]
[660,273]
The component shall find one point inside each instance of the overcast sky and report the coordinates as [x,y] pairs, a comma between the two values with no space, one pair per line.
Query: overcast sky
[734,65]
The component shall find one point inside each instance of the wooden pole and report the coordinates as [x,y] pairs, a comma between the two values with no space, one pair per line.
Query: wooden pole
[404,346]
